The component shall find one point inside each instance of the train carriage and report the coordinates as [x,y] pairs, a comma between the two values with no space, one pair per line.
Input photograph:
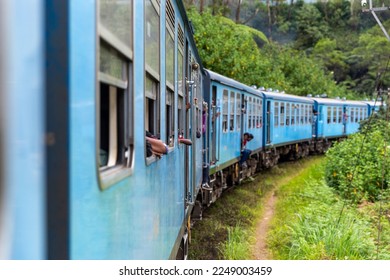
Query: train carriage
[291,121]
[79,181]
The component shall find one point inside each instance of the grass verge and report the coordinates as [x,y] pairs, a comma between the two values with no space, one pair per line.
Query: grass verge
[313,223]
[227,230]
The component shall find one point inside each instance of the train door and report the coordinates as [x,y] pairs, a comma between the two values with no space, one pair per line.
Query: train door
[268,122]
[214,131]
[188,129]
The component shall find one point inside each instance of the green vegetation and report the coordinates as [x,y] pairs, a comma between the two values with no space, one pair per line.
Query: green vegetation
[244,54]
[302,48]
[227,230]
[313,223]
[359,167]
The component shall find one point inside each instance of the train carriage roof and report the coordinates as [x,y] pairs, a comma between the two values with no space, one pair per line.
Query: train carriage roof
[232,83]
[338,102]
[286,97]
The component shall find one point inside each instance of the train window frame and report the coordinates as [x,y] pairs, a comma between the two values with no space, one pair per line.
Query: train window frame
[259,114]
[249,112]
[329,114]
[288,113]
[152,75]
[225,110]
[276,113]
[232,106]
[116,116]
[170,47]
[180,81]
[238,111]
[282,114]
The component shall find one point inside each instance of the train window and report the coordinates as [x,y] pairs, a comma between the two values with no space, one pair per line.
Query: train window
[260,110]
[282,114]
[329,112]
[231,120]
[152,67]
[351,114]
[170,117]
[287,113]
[340,115]
[276,114]
[225,111]
[152,110]
[309,113]
[170,46]
[302,113]
[114,98]
[293,110]
[361,114]
[249,112]
[238,111]
[180,65]
[180,125]
[334,114]
[258,117]
[152,38]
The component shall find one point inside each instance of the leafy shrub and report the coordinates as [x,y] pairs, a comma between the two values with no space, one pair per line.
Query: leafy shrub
[359,166]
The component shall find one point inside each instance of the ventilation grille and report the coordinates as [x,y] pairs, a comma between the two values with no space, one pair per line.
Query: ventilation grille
[180,36]
[170,14]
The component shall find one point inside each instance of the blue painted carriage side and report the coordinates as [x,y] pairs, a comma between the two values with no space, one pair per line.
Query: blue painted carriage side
[24,227]
[229,141]
[351,108]
[141,216]
[326,126]
[296,127]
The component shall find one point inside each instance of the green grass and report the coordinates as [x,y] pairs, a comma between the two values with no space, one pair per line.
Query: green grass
[227,229]
[313,223]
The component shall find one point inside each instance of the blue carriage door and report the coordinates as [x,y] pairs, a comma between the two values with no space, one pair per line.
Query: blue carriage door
[268,122]
[214,130]
[345,119]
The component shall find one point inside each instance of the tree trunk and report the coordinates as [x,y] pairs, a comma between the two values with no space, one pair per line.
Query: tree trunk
[238,11]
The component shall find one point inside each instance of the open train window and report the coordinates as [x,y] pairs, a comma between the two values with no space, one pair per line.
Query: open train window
[115,96]
[152,74]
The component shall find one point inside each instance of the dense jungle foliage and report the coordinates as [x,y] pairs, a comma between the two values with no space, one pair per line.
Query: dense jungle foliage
[302,48]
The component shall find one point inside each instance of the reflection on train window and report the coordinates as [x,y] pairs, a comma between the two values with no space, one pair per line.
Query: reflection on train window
[115,116]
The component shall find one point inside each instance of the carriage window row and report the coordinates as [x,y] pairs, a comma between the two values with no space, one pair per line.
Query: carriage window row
[286,113]
[234,111]
[336,114]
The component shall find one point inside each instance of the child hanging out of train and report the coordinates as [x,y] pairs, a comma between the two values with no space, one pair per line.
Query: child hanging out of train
[244,151]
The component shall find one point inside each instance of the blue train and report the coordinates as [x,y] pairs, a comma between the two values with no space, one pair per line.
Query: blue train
[82,83]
